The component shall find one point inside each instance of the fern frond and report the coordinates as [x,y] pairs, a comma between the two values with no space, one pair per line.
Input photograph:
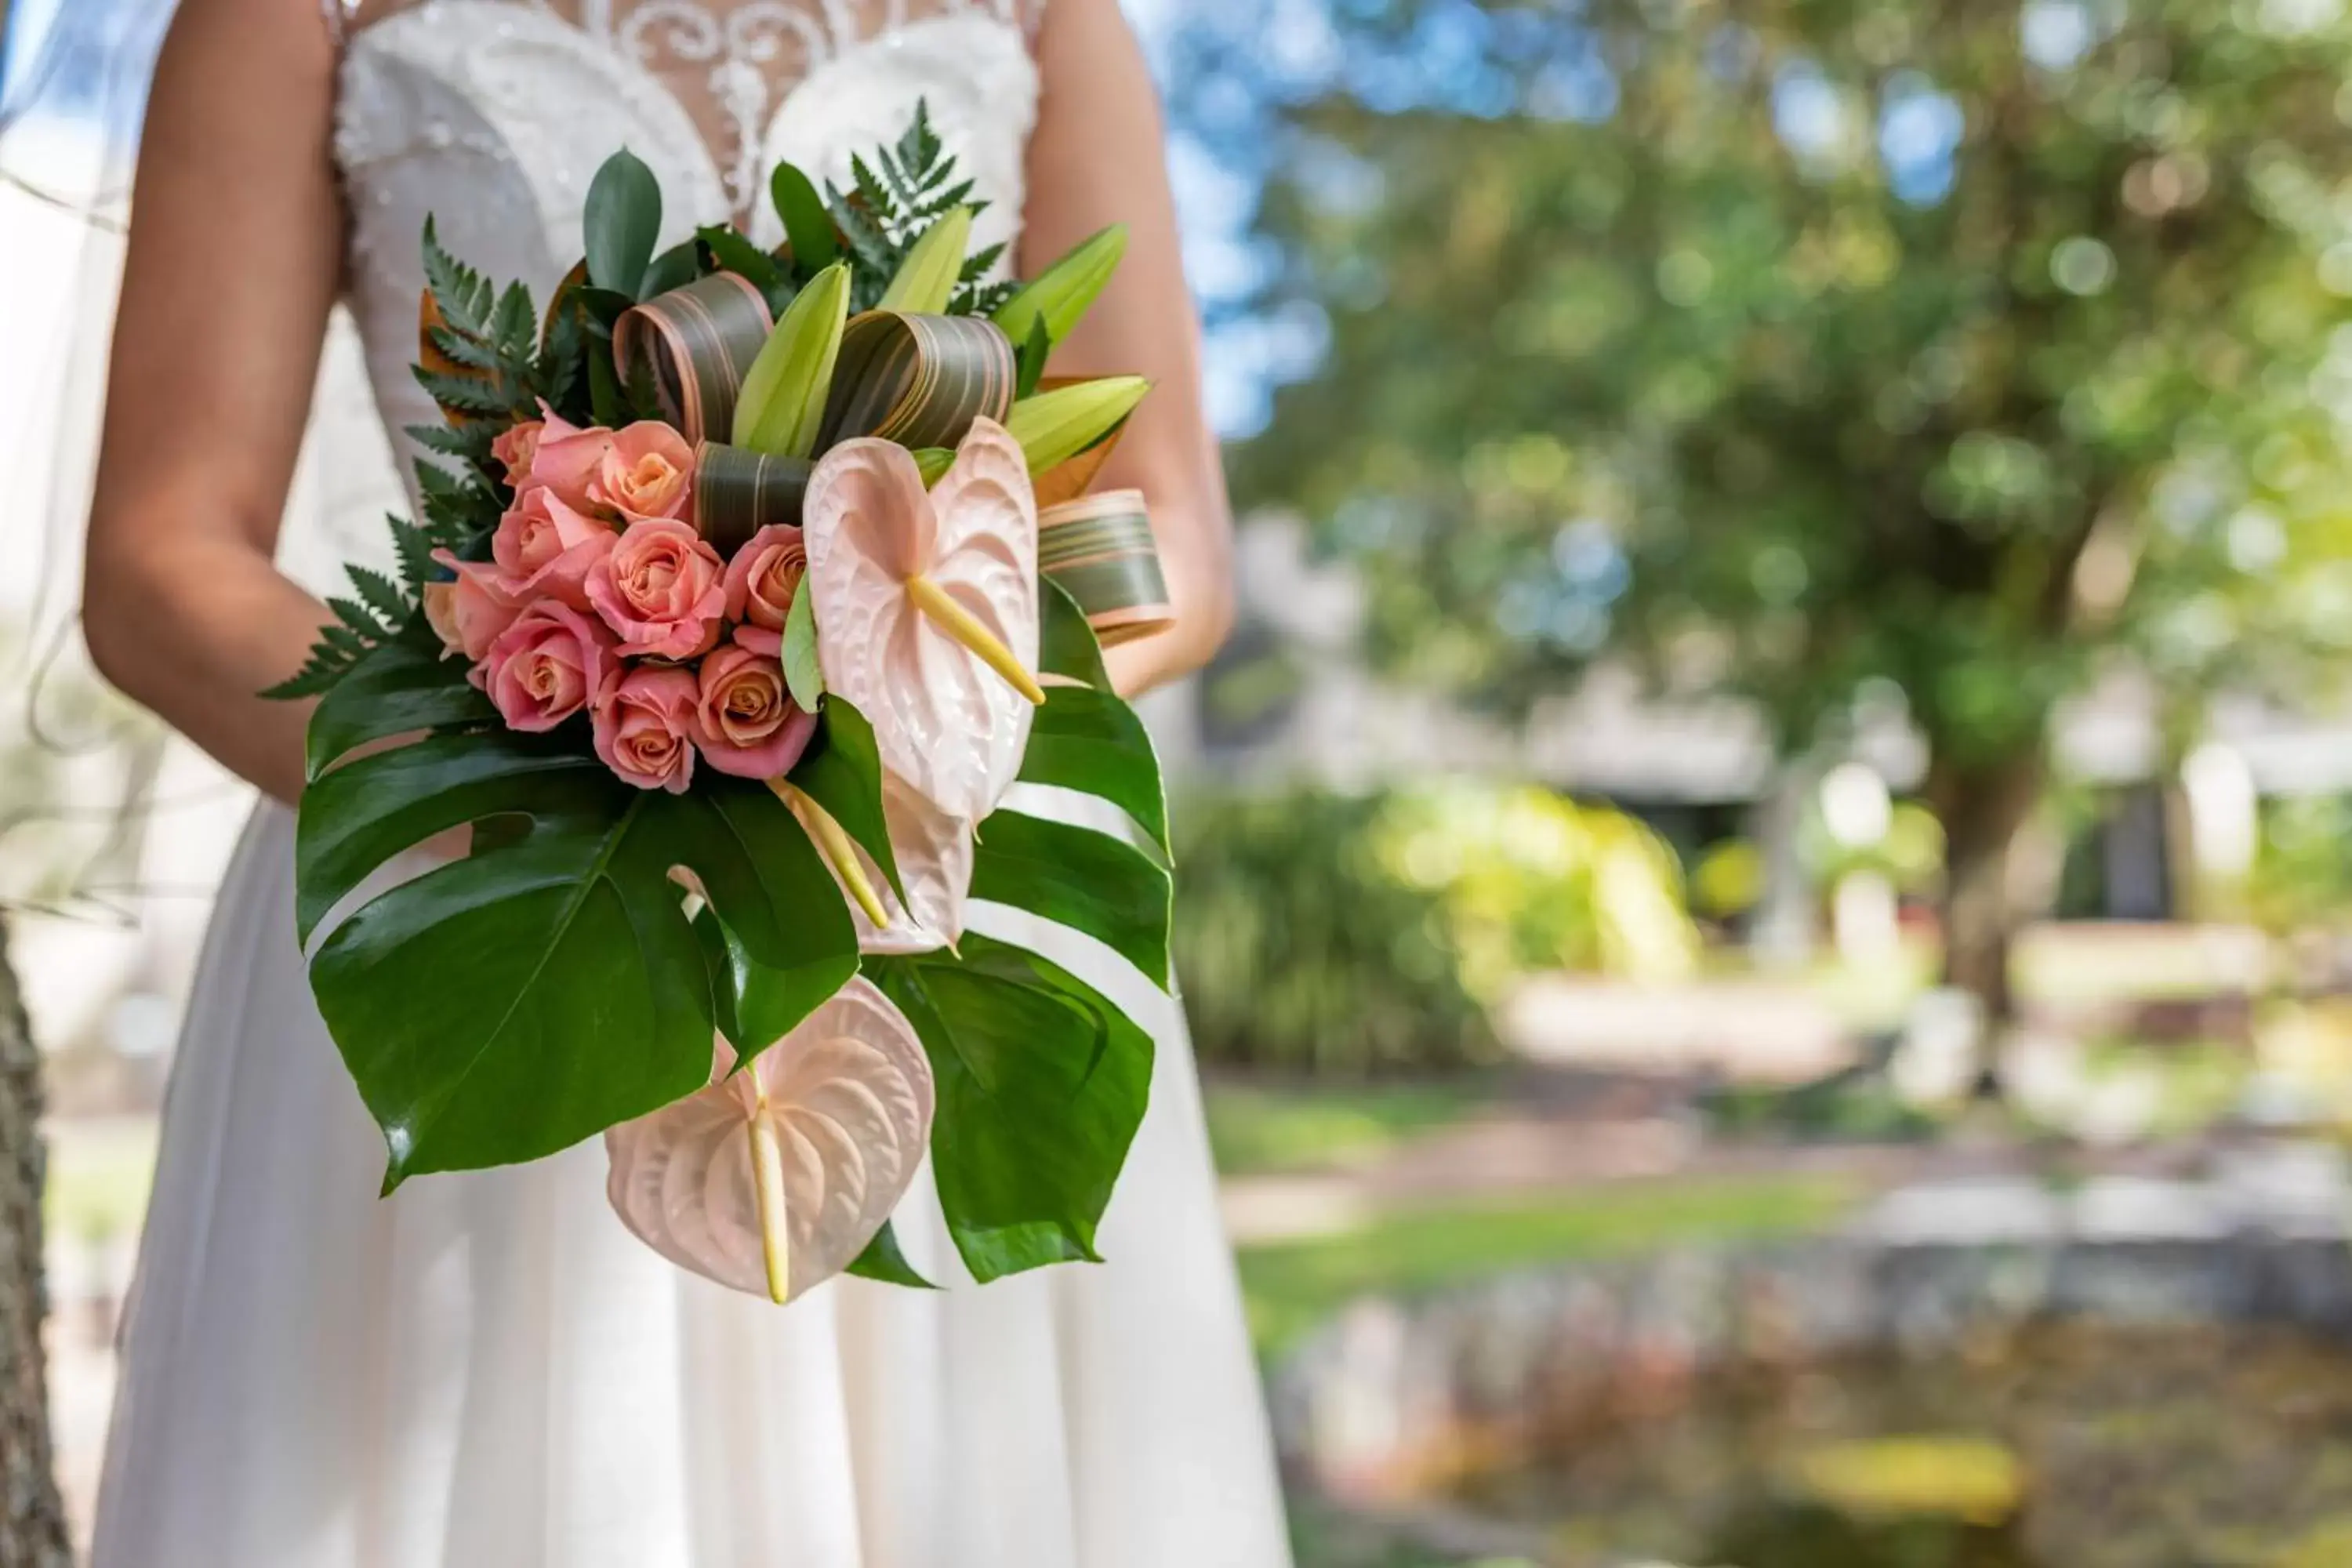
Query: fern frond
[464,395]
[463,294]
[382,595]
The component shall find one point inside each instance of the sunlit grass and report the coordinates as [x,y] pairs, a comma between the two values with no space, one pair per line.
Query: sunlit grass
[1256,1128]
[1293,1285]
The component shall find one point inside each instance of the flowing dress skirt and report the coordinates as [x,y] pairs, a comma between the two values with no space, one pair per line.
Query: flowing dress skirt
[486,1370]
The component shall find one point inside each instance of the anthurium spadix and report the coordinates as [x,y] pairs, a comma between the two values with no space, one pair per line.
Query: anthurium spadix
[934,856]
[774,1178]
[926,608]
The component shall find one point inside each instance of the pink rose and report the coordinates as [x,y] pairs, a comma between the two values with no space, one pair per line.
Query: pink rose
[516,447]
[646,472]
[642,728]
[567,460]
[546,546]
[662,589]
[762,578]
[744,720]
[469,614]
[552,662]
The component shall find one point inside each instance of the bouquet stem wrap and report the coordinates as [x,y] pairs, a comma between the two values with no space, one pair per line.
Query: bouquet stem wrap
[1099,550]
[737,491]
[701,339]
[918,380]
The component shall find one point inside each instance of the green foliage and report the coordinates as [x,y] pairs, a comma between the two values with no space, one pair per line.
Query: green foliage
[1290,1287]
[1784,409]
[1352,934]
[620,222]
[2302,875]
[894,200]
[507,1006]
[1300,950]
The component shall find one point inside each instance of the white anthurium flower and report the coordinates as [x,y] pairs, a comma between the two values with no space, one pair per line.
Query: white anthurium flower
[926,605]
[772,1180]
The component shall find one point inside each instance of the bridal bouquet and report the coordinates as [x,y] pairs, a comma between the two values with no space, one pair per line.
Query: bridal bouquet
[725,633]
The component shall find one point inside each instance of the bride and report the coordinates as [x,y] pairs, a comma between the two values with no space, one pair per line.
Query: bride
[484,1370]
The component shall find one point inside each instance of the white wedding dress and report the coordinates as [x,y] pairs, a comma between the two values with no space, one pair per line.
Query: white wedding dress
[486,1370]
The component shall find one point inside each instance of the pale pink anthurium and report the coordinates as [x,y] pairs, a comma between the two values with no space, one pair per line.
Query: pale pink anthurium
[772,1180]
[926,608]
[934,854]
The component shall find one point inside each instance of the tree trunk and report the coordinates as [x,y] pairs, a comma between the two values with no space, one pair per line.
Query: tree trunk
[32,1520]
[1981,807]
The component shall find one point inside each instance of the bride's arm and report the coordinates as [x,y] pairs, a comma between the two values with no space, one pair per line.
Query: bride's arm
[1097,158]
[235,244]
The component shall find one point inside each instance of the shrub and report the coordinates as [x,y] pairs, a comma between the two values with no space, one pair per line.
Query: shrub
[1351,934]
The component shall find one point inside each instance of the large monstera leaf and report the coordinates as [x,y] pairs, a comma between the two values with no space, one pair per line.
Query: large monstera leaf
[503,1006]
[1042,1079]
[1042,1083]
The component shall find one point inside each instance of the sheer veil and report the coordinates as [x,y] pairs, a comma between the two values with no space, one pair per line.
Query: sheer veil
[106,821]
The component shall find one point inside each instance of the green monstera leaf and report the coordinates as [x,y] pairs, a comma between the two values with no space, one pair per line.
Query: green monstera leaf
[1042,1085]
[1043,1081]
[505,1005]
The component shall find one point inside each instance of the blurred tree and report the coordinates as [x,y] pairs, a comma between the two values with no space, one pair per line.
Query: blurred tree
[1846,355]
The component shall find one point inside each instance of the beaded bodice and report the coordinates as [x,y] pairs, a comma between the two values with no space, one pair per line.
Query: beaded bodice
[491,116]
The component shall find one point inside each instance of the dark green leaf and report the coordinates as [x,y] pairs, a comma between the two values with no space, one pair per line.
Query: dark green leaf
[842,771]
[621,221]
[883,1260]
[807,226]
[672,269]
[463,294]
[1085,738]
[1035,350]
[1066,645]
[403,685]
[504,1007]
[515,325]
[738,255]
[606,399]
[1077,878]
[1042,1083]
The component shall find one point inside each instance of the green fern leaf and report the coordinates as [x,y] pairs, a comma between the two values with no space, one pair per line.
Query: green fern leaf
[382,595]
[463,295]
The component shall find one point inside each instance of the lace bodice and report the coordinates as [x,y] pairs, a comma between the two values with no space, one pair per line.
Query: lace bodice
[492,116]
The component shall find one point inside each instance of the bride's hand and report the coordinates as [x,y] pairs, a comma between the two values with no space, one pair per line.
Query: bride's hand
[1097,158]
[235,250]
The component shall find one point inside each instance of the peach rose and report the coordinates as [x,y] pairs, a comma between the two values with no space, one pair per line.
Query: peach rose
[469,614]
[646,472]
[744,720]
[762,578]
[567,460]
[662,589]
[545,546]
[642,728]
[516,447]
[552,662]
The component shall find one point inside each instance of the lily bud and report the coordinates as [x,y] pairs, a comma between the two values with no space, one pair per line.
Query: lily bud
[1053,426]
[783,396]
[1059,296]
[927,279]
